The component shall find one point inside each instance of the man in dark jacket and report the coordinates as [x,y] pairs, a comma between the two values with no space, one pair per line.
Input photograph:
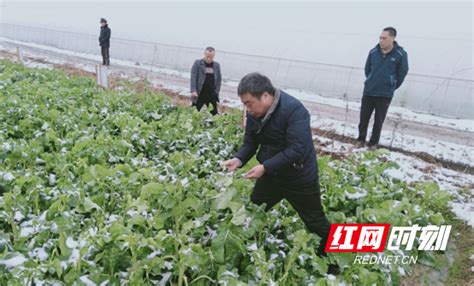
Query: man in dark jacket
[206,81]
[104,41]
[385,70]
[278,126]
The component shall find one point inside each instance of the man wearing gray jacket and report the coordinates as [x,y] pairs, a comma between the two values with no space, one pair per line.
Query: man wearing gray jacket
[206,81]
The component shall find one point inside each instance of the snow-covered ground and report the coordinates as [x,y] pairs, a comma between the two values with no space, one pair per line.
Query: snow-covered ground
[440,149]
[411,168]
[445,150]
[415,170]
[395,111]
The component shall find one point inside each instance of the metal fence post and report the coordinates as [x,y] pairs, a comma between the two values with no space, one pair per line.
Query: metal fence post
[444,96]
[177,58]
[19,52]
[102,76]
[346,101]
[244,117]
[277,68]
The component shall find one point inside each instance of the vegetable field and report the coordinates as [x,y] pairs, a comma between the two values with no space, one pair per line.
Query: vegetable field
[114,187]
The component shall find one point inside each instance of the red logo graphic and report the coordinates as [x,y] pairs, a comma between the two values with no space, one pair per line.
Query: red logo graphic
[357,237]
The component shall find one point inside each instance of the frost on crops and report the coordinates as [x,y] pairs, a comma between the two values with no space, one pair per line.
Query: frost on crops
[122,187]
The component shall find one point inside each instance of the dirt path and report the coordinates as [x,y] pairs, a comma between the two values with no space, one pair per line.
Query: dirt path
[393,121]
[170,81]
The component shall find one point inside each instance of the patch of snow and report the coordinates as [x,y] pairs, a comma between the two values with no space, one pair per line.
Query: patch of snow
[252,247]
[229,273]
[71,243]
[395,111]
[85,279]
[464,211]
[18,216]
[39,253]
[440,149]
[8,176]
[52,179]
[396,174]
[74,256]
[355,196]
[153,254]
[26,231]
[164,280]
[54,227]
[401,271]
[14,261]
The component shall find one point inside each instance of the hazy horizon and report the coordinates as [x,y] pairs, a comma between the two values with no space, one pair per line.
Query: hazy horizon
[328,32]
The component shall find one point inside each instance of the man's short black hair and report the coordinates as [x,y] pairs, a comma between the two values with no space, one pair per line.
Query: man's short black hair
[210,49]
[255,84]
[102,20]
[391,31]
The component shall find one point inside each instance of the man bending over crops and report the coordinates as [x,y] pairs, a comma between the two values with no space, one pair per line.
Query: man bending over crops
[278,126]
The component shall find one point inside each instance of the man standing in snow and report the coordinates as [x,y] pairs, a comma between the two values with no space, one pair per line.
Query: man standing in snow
[278,126]
[385,70]
[104,41]
[206,81]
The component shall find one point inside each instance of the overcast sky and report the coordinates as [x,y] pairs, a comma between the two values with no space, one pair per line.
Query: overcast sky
[438,36]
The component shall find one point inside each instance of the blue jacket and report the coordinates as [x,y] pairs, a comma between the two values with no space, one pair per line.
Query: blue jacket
[385,74]
[284,142]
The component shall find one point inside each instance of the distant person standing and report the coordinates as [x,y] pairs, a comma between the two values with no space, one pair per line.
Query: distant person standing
[385,70]
[206,81]
[104,41]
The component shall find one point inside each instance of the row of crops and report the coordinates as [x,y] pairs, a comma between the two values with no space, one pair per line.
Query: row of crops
[103,187]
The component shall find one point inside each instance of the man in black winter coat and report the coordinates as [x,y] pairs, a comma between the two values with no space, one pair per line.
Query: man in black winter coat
[104,41]
[278,127]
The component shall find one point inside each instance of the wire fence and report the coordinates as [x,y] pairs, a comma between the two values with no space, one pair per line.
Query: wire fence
[442,96]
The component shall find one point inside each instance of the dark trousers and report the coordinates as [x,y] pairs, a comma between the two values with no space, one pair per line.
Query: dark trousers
[105,55]
[370,103]
[305,199]
[206,100]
